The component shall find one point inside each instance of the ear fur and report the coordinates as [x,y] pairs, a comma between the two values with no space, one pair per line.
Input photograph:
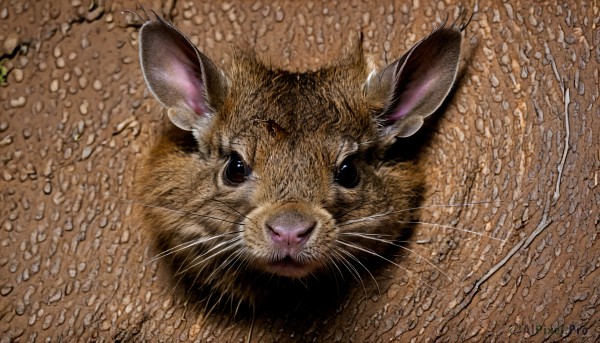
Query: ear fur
[417,84]
[183,79]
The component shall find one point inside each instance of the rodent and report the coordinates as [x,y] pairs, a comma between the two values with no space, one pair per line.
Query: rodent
[287,177]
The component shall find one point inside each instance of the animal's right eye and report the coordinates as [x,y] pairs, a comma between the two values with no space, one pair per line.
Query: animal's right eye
[236,171]
[347,174]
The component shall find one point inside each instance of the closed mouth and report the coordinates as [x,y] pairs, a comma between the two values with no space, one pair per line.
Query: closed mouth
[289,267]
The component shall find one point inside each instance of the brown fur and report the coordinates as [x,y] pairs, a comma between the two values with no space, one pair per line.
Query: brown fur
[320,112]
[293,130]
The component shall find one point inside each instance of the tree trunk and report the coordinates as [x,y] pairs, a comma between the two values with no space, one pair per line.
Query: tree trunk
[517,149]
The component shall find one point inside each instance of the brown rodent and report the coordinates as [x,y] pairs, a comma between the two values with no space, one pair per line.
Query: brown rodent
[288,178]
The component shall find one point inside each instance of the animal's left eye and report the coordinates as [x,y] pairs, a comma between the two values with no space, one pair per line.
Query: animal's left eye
[236,171]
[347,174]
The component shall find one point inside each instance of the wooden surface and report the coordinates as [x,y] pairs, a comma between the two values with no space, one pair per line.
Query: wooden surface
[520,140]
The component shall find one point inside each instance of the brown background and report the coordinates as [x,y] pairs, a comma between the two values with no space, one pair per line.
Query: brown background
[75,116]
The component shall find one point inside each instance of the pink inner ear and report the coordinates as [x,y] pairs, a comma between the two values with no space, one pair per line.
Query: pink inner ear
[183,77]
[423,77]
[413,94]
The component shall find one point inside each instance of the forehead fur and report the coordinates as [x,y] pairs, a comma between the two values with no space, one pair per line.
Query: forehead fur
[330,100]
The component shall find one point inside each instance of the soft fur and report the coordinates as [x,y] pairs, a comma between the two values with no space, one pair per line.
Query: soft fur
[293,130]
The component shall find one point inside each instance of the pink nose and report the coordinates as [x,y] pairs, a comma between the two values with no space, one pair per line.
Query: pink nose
[290,230]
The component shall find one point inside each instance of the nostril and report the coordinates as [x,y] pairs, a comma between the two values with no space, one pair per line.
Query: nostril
[276,233]
[291,234]
[305,230]
[290,229]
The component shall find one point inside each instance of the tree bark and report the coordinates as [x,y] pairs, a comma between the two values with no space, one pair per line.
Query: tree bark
[517,150]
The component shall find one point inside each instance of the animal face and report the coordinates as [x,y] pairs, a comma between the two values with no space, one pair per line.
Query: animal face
[288,176]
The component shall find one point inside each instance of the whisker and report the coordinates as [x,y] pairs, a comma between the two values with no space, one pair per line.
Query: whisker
[425,207]
[132,202]
[302,282]
[233,241]
[207,310]
[237,308]
[362,265]
[333,263]
[179,272]
[230,259]
[230,207]
[186,245]
[363,219]
[453,228]
[244,261]
[428,262]
[372,234]
[383,214]
[352,209]
[198,272]
[356,234]
[387,260]
[238,239]
[350,268]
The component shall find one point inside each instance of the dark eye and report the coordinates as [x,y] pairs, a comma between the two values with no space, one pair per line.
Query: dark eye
[236,171]
[347,174]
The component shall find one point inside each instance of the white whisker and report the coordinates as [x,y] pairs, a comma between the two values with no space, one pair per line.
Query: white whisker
[350,268]
[127,201]
[364,219]
[442,206]
[400,246]
[362,265]
[230,259]
[237,241]
[453,228]
[186,245]
[387,260]
[333,262]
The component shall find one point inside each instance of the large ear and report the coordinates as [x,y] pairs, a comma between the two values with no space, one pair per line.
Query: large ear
[185,81]
[416,85]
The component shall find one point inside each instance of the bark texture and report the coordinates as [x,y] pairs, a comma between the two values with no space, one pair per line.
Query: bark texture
[520,141]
